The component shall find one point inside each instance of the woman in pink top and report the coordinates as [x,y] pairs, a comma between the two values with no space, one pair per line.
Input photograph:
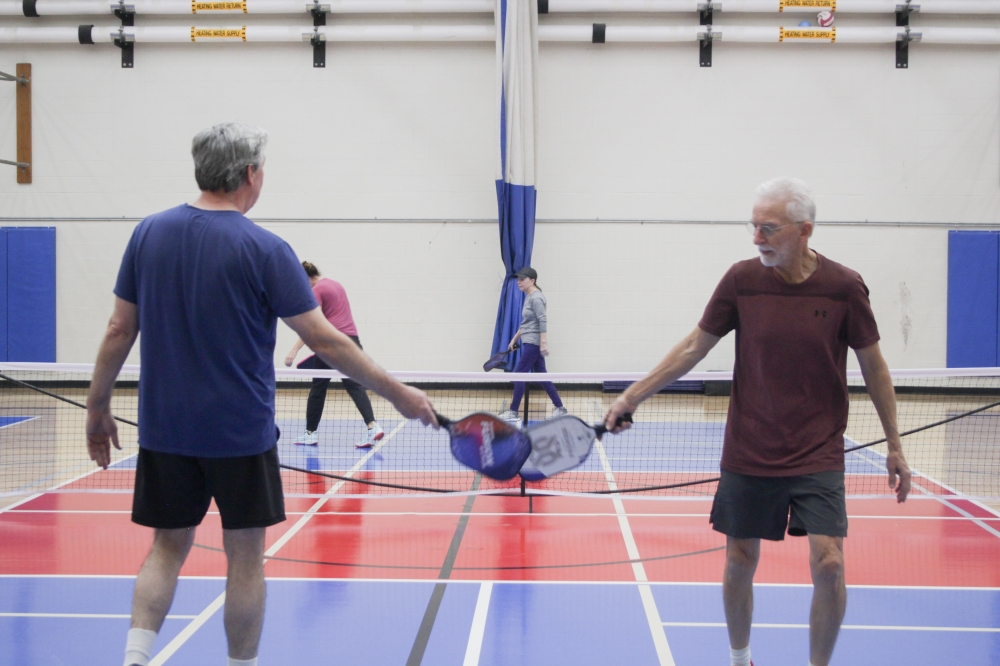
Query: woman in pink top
[333,301]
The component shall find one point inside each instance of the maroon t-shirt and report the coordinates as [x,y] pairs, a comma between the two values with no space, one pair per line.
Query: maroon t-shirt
[788,409]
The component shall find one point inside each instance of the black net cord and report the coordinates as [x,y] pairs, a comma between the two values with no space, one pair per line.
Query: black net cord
[522,490]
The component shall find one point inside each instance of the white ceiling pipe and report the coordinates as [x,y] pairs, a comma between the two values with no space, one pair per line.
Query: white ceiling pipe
[958,35]
[583,33]
[958,6]
[33,35]
[229,8]
[409,33]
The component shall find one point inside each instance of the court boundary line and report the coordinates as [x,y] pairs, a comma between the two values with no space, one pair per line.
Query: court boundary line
[178,641]
[498,514]
[863,627]
[479,581]
[474,648]
[659,636]
[944,499]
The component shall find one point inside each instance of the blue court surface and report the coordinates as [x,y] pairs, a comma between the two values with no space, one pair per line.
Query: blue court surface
[82,620]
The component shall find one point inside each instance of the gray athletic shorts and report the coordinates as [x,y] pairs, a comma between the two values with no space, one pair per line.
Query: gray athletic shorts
[761,507]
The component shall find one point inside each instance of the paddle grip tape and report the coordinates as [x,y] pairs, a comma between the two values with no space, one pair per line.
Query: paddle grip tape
[85,34]
[598,35]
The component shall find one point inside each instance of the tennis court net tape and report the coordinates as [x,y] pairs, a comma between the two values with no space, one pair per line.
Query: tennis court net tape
[672,452]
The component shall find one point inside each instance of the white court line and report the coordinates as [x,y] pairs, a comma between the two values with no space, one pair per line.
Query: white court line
[474,581]
[666,658]
[944,500]
[863,627]
[168,651]
[475,646]
[90,616]
[526,514]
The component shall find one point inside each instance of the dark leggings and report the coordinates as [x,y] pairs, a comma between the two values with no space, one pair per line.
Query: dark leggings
[532,361]
[317,394]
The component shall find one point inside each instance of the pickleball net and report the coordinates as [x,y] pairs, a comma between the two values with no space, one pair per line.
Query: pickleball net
[952,418]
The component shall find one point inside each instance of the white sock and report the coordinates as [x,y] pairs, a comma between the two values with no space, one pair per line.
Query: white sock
[740,657]
[139,646]
[243,662]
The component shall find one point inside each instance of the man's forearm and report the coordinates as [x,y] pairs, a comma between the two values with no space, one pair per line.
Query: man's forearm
[883,396]
[341,353]
[114,350]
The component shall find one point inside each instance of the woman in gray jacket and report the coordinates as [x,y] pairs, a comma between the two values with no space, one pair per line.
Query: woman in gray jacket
[534,345]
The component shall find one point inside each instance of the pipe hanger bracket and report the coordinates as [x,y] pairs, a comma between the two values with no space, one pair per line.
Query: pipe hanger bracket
[125,41]
[318,41]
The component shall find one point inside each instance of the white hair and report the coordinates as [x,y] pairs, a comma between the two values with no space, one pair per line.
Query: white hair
[800,206]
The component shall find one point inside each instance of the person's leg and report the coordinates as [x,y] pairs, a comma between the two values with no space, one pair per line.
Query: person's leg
[826,561]
[157,579]
[550,388]
[529,353]
[245,590]
[314,405]
[742,556]
[360,398]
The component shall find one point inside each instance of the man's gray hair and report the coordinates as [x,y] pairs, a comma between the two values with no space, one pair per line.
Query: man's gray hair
[800,206]
[223,153]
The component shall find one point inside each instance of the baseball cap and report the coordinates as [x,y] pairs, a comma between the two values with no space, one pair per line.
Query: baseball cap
[527,272]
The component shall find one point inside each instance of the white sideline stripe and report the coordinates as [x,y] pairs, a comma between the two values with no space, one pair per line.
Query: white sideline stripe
[188,631]
[486,514]
[90,616]
[666,658]
[944,500]
[475,646]
[863,627]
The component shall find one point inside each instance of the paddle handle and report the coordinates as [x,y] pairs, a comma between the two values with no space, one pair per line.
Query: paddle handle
[442,420]
[602,429]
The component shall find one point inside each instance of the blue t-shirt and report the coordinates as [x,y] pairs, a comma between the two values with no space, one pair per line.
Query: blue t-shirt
[209,286]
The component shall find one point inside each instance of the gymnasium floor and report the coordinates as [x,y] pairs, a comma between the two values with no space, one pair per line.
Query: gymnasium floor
[357,577]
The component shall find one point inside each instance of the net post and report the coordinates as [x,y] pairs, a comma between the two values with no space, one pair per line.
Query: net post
[527,397]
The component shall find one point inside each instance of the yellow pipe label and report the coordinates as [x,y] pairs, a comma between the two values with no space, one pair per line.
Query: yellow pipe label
[218,33]
[218,6]
[807,33]
[815,4]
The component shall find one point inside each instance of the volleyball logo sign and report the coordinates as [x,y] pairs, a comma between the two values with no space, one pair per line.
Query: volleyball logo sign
[825,19]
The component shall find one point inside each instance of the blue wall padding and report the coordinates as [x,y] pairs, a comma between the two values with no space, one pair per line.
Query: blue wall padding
[3,294]
[973,293]
[31,294]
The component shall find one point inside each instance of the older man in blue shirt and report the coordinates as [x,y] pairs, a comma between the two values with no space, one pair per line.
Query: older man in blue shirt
[206,286]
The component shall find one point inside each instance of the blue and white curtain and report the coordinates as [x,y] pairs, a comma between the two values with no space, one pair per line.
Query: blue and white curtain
[517,91]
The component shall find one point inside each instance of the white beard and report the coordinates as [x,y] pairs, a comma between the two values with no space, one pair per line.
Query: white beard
[770,260]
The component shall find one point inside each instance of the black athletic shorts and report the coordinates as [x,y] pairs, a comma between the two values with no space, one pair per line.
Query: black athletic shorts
[761,507]
[174,491]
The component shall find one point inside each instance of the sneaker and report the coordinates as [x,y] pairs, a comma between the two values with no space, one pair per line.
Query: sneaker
[375,433]
[307,439]
[557,412]
[511,416]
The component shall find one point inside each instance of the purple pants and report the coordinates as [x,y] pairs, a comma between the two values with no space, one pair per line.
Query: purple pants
[532,361]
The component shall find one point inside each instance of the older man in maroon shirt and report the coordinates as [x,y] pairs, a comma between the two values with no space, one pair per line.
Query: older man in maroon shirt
[795,314]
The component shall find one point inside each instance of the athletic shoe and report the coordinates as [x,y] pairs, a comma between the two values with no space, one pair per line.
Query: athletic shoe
[558,411]
[375,433]
[307,439]
[511,416]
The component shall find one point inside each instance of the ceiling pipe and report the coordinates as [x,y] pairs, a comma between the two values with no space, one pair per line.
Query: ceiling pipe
[240,7]
[583,33]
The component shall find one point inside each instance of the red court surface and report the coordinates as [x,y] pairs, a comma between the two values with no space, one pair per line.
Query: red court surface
[921,542]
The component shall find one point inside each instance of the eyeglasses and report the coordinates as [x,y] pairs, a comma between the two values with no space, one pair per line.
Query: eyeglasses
[767,230]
